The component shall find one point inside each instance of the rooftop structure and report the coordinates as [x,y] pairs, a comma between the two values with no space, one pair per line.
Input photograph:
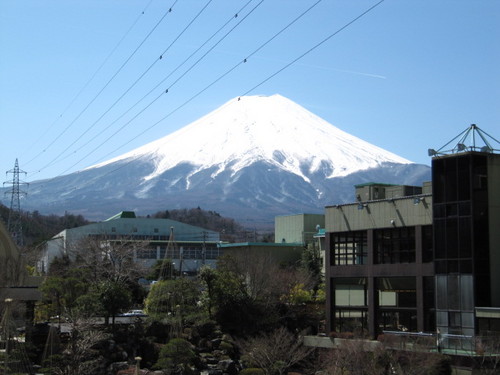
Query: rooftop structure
[421,259]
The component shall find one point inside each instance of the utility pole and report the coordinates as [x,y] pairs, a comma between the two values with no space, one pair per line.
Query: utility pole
[14,224]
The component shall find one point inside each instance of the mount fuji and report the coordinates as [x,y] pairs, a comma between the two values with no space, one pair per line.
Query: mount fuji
[253,158]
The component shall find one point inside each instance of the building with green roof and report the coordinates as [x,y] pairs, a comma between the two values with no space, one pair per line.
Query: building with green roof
[149,239]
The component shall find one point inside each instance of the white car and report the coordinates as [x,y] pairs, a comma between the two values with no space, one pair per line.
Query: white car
[134,313]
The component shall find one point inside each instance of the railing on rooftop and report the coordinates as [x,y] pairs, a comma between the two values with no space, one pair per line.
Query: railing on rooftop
[485,345]
[468,140]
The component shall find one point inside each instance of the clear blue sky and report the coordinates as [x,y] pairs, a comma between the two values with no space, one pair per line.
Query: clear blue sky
[407,76]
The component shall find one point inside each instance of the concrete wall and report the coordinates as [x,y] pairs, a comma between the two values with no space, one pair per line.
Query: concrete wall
[297,228]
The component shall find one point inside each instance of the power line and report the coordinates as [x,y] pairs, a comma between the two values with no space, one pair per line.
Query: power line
[106,85]
[206,87]
[157,85]
[165,91]
[220,77]
[88,82]
[235,67]
[130,88]
[314,47]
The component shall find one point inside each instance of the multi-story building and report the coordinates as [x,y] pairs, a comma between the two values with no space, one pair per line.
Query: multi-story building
[149,240]
[379,270]
[298,229]
[420,259]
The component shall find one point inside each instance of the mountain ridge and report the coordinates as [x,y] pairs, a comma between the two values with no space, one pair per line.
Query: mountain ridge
[253,158]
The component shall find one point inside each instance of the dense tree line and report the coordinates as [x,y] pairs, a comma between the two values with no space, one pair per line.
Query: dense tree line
[38,228]
[229,229]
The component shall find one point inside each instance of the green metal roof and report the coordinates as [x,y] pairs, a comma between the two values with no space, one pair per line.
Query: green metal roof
[123,215]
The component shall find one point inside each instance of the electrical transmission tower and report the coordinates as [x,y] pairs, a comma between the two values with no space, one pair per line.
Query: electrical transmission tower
[14,224]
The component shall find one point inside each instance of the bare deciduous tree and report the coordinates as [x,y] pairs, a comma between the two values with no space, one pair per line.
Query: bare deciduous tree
[364,358]
[265,278]
[275,352]
[78,356]
[109,259]
[487,356]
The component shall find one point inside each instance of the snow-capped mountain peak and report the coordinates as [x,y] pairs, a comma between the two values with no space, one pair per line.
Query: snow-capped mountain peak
[251,159]
[262,128]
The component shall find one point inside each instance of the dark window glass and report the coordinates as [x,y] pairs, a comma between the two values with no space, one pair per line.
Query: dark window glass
[427,248]
[442,292]
[349,248]
[146,254]
[438,180]
[465,266]
[464,237]
[439,239]
[453,266]
[452,238]
[441,266]
[349,320]
[439,210]
[464,209]
[429,303]
[466,293]
[452,209]
[453,292]
[454,320]
[395,245]
[463,166]
[451,179]
[402,320]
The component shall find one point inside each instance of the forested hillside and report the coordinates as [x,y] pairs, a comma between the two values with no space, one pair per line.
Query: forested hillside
[38,228]
[229,229]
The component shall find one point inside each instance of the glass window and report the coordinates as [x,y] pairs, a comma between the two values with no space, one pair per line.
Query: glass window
[468,320]
[442,292]
[464,237]
[466,292]
[395,245]
[438,180]
[397,291]
[146,254]
[350,248]
[452,238]
[450,172]
[397,320]
[350,292]
[453,292]
[427,249]
[454,320]
[442,318]
[440,239]
[351,320]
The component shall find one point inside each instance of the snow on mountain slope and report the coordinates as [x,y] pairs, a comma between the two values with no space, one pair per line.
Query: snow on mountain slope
[251,159]
[262,128]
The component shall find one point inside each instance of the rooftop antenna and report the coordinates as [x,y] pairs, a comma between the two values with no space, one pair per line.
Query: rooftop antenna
[14,223]
[468,140]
